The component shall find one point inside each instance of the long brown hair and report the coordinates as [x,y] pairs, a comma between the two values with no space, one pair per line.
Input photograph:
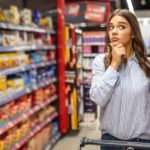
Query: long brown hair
[137,42]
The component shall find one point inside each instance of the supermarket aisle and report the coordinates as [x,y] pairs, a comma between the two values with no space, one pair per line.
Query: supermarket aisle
[71,142]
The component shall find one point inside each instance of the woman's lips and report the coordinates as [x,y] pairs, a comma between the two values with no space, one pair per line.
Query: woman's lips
[114,39]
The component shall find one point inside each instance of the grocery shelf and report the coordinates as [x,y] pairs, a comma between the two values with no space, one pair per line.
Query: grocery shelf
[26,48]
[24,28]
[70,81]
[25,68]
[91,25]
[25,91]
[39,127]
[9,124]
[53,141]
[87,68]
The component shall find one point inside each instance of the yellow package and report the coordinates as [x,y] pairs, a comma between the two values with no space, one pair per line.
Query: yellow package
[23,59]
[9,40]
[14,85]
[19,84]
[18,134]
[2,16]
[6,143]
[11,86]
[13,133]
[13,59]
[10,135]
[1,145]
[4,61]
[14,15]
[3,86]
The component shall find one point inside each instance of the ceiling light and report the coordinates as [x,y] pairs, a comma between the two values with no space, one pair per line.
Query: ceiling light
[143,2]
[130,6]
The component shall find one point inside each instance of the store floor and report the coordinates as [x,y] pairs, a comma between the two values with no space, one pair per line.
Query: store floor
[71,140]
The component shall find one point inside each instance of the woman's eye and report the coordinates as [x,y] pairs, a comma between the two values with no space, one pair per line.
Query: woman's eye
[110,27]
[121,27]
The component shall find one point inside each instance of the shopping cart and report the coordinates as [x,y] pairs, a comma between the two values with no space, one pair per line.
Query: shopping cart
[124,144]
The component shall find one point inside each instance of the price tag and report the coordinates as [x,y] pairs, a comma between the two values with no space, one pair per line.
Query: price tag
[38,128]
[28,90]
[22,68]
[35,87]
[10,124]
[17,145]
[43,105]
[43,64]
[24,116]
[31,133]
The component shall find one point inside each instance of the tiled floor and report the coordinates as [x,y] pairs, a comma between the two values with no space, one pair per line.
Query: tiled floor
[71,141]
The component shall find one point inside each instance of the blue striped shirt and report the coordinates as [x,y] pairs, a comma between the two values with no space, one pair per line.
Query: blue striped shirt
[124,98]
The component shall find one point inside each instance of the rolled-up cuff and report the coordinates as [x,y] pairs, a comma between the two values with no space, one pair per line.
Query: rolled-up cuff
[110,76]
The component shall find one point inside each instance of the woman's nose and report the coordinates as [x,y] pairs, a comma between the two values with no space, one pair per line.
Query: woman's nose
[114,31]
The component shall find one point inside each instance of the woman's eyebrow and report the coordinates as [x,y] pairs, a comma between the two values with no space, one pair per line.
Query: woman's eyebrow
[119,23]
[123,23]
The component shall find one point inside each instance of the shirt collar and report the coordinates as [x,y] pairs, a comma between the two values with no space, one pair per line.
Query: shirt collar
[133,57]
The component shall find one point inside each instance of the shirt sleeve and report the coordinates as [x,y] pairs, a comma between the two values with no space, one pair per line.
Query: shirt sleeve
[103,81]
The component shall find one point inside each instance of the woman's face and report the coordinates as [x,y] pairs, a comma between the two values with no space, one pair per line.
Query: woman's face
[119,31]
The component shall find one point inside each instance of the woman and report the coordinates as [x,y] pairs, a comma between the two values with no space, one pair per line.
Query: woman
[121,82]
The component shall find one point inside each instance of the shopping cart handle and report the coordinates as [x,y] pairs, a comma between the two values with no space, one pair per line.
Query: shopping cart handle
[82,142]
[86,141]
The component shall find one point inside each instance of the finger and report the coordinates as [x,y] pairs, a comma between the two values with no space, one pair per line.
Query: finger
[120,50]
[123,55]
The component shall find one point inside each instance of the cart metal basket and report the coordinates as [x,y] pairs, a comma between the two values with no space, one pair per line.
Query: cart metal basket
[124,144]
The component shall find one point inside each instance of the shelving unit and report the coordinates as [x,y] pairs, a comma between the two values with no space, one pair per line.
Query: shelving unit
[27,90]
[9,26]
[144,25]
[26,48]
[28,86]
[89,19]
[79,73]
[71,76]
[93,45]
[34,131]
[11,123]
[26,68]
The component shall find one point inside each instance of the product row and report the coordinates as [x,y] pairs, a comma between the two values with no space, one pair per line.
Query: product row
[25,17]
[25,103]
[94,38]
[16,38]
[24,128]
[12,60]
[14,83]
[43,138]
